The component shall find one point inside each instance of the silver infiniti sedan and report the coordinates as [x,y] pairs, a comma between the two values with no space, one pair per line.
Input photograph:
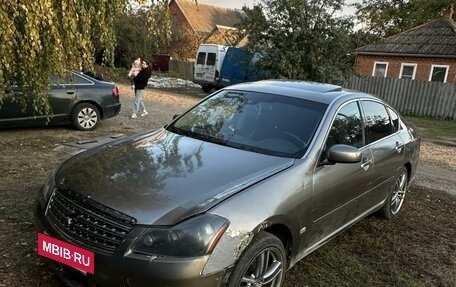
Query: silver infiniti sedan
[233,192]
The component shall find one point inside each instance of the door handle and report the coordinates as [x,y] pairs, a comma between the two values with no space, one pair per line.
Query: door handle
[399,147]
[366,164]
[70,92]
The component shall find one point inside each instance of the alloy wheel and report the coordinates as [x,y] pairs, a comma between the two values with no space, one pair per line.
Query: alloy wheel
[87,118]
[400,188]
[265,270]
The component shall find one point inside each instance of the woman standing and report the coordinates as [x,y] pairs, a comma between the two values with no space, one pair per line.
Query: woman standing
[140,82]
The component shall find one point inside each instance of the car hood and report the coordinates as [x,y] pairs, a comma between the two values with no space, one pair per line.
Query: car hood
[161,178]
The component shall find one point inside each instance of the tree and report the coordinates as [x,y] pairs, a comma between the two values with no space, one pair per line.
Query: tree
[42,38]
[300,39]
[183,44]
[389,17]
[132,38]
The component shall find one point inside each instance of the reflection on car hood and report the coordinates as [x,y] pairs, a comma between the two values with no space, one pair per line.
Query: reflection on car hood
[161,177]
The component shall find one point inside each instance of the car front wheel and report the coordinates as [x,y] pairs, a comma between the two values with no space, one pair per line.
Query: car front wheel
[85,117]
[263,263]
[396,196]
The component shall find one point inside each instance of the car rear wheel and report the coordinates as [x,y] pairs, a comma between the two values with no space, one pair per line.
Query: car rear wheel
[262,263]
[85,117]
[396,196]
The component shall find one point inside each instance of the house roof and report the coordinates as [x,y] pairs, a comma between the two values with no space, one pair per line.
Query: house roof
[227,36]
[433,39]
[204,17]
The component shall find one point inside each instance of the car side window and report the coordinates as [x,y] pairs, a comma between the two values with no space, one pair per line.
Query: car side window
[61,81]
[347,127]
[377,121]
[394,119]
[78,80]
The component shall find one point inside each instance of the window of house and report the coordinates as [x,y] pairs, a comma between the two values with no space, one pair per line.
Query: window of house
[174,21]
[439,73]
[408,71]
[377,121]
[380,69]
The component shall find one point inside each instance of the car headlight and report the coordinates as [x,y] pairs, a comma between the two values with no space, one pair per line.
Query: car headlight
[49,185]
[194,237]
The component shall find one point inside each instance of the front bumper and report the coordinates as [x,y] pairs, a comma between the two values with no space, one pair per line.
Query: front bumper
[124,268]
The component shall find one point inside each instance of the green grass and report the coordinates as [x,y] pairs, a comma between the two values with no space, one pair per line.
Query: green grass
[434,129]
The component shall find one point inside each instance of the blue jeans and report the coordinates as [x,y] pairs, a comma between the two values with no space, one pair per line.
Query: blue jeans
[138,101]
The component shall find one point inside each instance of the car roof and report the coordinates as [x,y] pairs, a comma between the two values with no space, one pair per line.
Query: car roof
[318,92]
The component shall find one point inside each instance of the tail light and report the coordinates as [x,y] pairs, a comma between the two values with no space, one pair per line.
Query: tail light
[115,91]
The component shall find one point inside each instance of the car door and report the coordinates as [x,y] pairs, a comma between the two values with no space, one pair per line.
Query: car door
[13,110]
[60,96]
[210,67]
[199,66]
[339,187]
[386,145]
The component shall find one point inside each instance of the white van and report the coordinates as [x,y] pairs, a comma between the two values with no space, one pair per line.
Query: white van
[209,60]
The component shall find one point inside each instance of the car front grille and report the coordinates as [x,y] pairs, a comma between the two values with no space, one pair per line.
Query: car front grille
[86,222]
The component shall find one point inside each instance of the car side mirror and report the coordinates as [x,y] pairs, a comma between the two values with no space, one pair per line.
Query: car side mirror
[341,153]
[175,116]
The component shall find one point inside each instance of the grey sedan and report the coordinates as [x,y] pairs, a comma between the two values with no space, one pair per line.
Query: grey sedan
[233,192]
[76,99]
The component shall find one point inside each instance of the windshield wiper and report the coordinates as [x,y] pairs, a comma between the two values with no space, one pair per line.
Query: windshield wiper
[178,131]
[203,137]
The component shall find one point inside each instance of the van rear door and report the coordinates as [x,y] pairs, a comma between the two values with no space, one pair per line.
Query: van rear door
[199,66]
[206,64]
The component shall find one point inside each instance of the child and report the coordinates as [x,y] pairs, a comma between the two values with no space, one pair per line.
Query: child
[135,68]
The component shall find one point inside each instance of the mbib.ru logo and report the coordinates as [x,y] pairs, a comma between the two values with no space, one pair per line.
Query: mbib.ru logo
[66,253]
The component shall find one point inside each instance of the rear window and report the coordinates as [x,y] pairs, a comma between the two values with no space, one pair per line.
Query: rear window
[201,58]
[211,59]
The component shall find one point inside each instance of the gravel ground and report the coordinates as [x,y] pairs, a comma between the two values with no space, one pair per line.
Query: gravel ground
[438,155]
[437,168]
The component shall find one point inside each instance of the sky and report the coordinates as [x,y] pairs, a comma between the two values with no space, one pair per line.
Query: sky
[240,3]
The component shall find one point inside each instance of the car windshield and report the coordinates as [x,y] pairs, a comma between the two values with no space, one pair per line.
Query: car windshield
[263,123]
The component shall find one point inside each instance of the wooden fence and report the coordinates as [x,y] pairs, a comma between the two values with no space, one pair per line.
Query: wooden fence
[411,97]
[181,69]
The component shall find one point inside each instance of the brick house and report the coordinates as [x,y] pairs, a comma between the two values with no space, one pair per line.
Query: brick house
[201,19]
[426,52]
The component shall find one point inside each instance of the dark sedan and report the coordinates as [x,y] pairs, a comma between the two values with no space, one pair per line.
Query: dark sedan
[76,99]
[233,192]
